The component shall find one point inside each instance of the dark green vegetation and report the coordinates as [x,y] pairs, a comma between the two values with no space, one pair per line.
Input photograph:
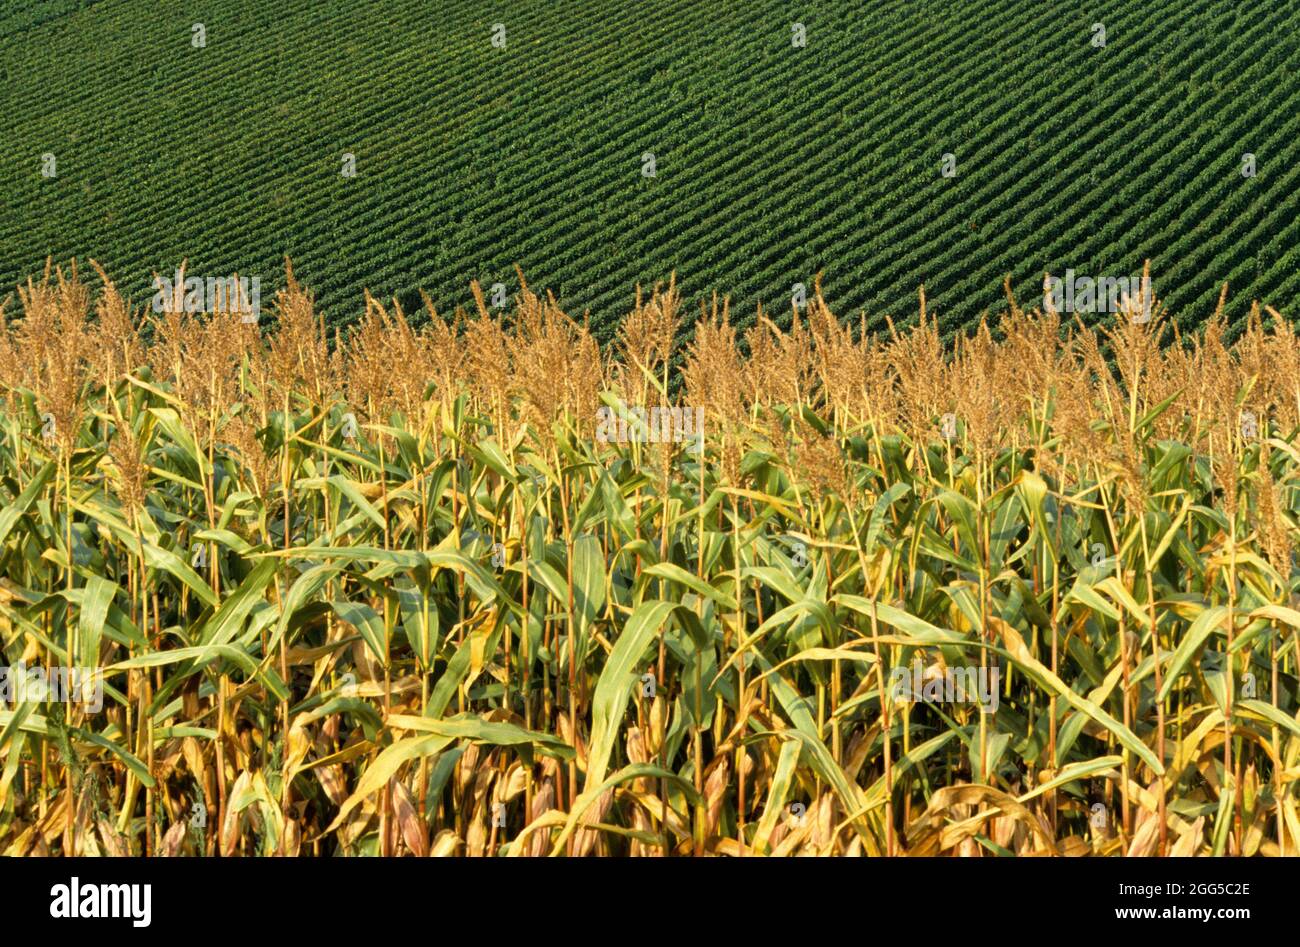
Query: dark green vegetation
[772,162]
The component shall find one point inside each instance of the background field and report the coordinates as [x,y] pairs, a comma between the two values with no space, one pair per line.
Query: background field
[773,162]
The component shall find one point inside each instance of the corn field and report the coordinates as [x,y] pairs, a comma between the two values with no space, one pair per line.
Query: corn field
[399,591]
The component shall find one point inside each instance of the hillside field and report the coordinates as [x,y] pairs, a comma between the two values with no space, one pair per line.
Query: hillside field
[772,161]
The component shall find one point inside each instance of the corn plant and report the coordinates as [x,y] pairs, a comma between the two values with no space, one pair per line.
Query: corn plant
[473,586]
